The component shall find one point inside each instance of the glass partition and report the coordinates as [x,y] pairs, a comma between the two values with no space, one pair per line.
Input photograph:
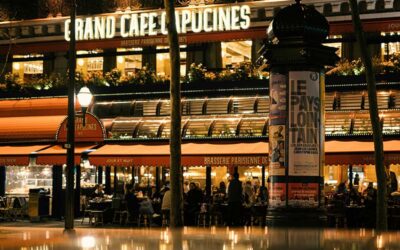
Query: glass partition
[19,179]
[234,53]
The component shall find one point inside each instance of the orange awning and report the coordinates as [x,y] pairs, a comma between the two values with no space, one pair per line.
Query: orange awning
[29,128]
[17,155]
[57,155]
[359,152]
[35,107]
[193,154]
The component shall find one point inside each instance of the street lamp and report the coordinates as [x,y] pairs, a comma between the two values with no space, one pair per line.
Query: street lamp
[84,99]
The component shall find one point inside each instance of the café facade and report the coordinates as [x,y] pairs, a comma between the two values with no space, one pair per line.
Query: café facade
[224,124]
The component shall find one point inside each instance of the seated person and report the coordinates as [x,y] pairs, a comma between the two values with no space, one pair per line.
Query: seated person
[98,192]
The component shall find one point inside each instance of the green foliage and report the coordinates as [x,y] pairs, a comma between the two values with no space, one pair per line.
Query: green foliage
[196,73]
[11,82]
[113,78]
[356,67]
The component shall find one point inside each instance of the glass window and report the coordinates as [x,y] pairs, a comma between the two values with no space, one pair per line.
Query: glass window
[198,128]
[192,106]
[123,128]
[89,64]
[20,179]
[252,127]
[362,125]
[217,106]
[27,70]
[263,104]
[388,49]
[225,127]
[391,124]
[337,124]
[337,45]
[163,62]
[149,129]
[234,53]
[165,108]
[128,64]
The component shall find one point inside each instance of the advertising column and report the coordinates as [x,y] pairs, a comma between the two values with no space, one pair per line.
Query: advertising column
[295,141]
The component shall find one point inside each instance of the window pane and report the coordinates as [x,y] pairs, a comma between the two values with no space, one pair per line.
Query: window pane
[28,70]
[234,53]
[89,64]
[128,64]
[163,63]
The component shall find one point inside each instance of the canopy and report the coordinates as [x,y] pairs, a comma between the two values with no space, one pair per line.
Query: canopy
[29,128]
[17,155]
[57,155]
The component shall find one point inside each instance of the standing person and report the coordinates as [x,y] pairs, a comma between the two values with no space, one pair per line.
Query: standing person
[132,202]
[393,182]
[356,180]
[235,200]
[166,205]
[193,202]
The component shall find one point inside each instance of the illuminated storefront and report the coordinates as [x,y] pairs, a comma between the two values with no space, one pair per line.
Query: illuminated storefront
[124,43]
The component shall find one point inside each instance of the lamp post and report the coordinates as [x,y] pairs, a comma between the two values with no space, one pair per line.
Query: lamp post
[70,145]
[84,99]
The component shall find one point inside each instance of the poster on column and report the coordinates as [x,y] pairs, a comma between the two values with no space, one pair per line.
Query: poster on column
[277,150]
[277,195]
[304,123]
[277,102]
[303,195]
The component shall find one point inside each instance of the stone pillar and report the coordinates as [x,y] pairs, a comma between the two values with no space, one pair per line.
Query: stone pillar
[296,135]
[77,196]
[99,175]
[108,180]
[5,66]
[109,60]
[158,174]
[2,180]
[255,47]
[208,183]
[149,57]
[48,64]
[115,180]
[57,200]
[195,54]
[212,55]
[60,64]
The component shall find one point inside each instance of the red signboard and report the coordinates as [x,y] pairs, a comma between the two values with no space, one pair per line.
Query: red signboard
[93,131]
[277,195]
[303,194]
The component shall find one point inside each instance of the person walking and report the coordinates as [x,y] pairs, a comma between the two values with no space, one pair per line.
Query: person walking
[235,198]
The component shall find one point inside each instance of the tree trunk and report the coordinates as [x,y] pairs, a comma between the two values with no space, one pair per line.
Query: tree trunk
[176,218]
[381,205]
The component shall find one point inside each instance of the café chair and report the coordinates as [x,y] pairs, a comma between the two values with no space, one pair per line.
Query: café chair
[120,211]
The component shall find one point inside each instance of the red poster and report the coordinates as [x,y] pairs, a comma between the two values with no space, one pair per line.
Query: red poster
[277,195]
[303,194]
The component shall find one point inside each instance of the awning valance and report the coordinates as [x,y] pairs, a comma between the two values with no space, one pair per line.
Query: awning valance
[359,152]
[29,128]
[17,155]
[57,155]
[193,154]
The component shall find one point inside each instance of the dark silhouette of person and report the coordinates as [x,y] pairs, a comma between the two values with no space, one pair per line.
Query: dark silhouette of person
[356,180]
[393,182]
[132,202]
[193,203]
[235,199]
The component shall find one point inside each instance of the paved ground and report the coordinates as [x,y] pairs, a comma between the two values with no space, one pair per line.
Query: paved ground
[24,235]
